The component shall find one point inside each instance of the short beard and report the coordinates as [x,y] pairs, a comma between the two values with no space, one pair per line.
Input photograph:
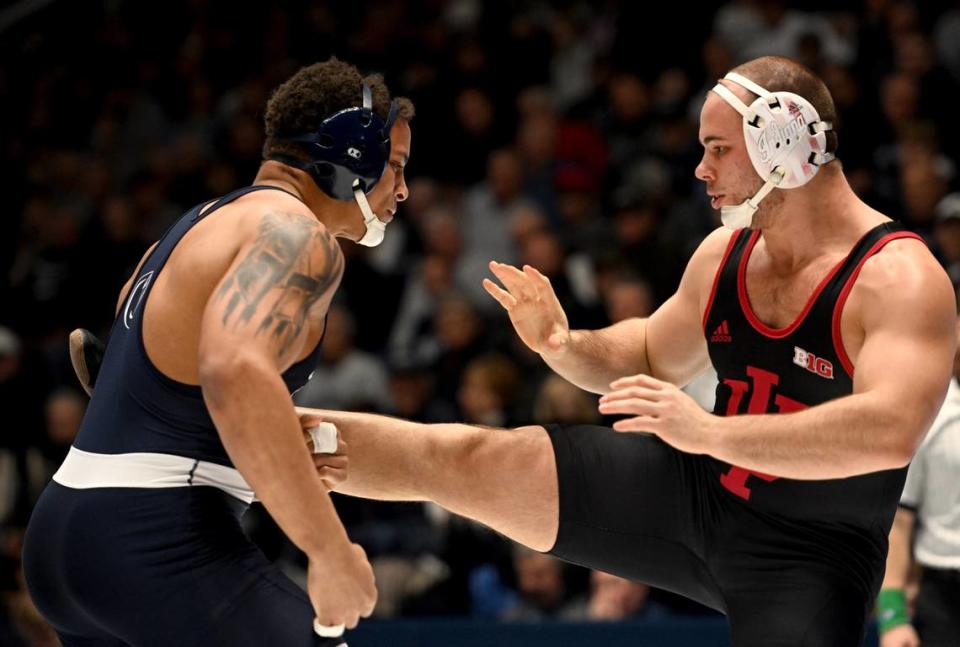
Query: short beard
[769,210]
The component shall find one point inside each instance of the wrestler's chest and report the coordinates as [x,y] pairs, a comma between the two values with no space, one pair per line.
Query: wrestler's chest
[779,300]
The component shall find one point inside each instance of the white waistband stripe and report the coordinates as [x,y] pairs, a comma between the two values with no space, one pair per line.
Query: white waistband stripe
[85,470]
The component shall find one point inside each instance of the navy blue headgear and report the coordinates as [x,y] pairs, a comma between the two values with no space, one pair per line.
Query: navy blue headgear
[350,149]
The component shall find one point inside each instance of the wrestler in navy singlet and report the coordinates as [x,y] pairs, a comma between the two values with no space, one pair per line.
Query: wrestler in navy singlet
[792,563]
[99,552]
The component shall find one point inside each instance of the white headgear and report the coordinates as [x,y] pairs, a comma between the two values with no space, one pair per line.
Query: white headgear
[376,228]
[785,141]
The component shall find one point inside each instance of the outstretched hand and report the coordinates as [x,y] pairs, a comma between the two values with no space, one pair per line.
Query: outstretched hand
[533,307]
[660,408]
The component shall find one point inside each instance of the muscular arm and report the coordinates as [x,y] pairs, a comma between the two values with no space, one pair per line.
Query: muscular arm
[906,309]
[899,558]
[254,326]
[593,358]
[669,345]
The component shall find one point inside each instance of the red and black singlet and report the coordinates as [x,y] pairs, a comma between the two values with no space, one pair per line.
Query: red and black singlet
[767,370]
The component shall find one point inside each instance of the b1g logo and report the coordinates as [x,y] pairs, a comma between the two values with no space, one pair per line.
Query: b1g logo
[812,363]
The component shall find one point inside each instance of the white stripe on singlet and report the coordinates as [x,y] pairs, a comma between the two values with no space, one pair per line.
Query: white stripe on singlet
[85,470]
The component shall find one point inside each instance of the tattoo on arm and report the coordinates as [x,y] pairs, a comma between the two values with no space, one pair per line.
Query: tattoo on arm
[281,267]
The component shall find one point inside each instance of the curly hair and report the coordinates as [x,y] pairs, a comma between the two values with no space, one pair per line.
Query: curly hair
[314,93]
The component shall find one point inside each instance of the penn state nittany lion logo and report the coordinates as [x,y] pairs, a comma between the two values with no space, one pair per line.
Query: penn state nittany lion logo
[137,292]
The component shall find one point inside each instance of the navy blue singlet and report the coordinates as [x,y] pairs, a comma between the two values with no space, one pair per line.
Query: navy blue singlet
[135,407]
[138,541]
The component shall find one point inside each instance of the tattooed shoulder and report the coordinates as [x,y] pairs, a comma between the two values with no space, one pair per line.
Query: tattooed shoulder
[292,264]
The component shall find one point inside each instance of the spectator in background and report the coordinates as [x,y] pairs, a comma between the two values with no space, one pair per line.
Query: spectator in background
[763,28]
[114,241]
[488,391]
[346,377]
[64,412]
[573,55]
[536,143]
[489,206]
[412,338]
[413,391]
[945,39]
[580,169]
[559,402]
[460,338]
[627,295]
[637,223]
[475,120]
[614,599]
[45,270]
[946,234]
[914,55]
[924,177]
[541,587]
[571,275]
[627,124]
[23,387]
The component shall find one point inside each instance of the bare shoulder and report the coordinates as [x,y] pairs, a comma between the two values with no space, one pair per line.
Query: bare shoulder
[904,278]
[286,243]
[280,225]
[292,230]
[283,277]
[714,246]
[706,260]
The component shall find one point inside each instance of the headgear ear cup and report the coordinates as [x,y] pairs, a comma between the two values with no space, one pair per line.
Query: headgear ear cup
[785,141]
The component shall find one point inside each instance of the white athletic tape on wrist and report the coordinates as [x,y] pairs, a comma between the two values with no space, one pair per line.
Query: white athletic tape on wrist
[328,631]
[324,437]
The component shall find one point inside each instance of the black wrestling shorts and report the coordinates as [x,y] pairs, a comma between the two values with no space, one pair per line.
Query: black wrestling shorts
[633,506]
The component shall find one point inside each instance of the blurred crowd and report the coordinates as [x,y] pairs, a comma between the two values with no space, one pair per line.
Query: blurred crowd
[558,134]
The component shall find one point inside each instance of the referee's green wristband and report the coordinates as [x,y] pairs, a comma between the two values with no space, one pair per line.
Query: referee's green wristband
[891,609]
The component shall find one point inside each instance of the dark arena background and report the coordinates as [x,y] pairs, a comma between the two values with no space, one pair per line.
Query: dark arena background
[558,134]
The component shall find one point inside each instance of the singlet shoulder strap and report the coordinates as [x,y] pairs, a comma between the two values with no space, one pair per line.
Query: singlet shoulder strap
[199,212]
[868,245]
[726,276]
[839,288]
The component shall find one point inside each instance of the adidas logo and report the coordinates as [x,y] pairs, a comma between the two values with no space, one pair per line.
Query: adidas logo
[721,334]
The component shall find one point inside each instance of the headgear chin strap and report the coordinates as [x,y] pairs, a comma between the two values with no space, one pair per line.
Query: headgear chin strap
[376,228]
[785,141]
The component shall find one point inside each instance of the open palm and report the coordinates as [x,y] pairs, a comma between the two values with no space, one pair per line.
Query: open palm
[532,305]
